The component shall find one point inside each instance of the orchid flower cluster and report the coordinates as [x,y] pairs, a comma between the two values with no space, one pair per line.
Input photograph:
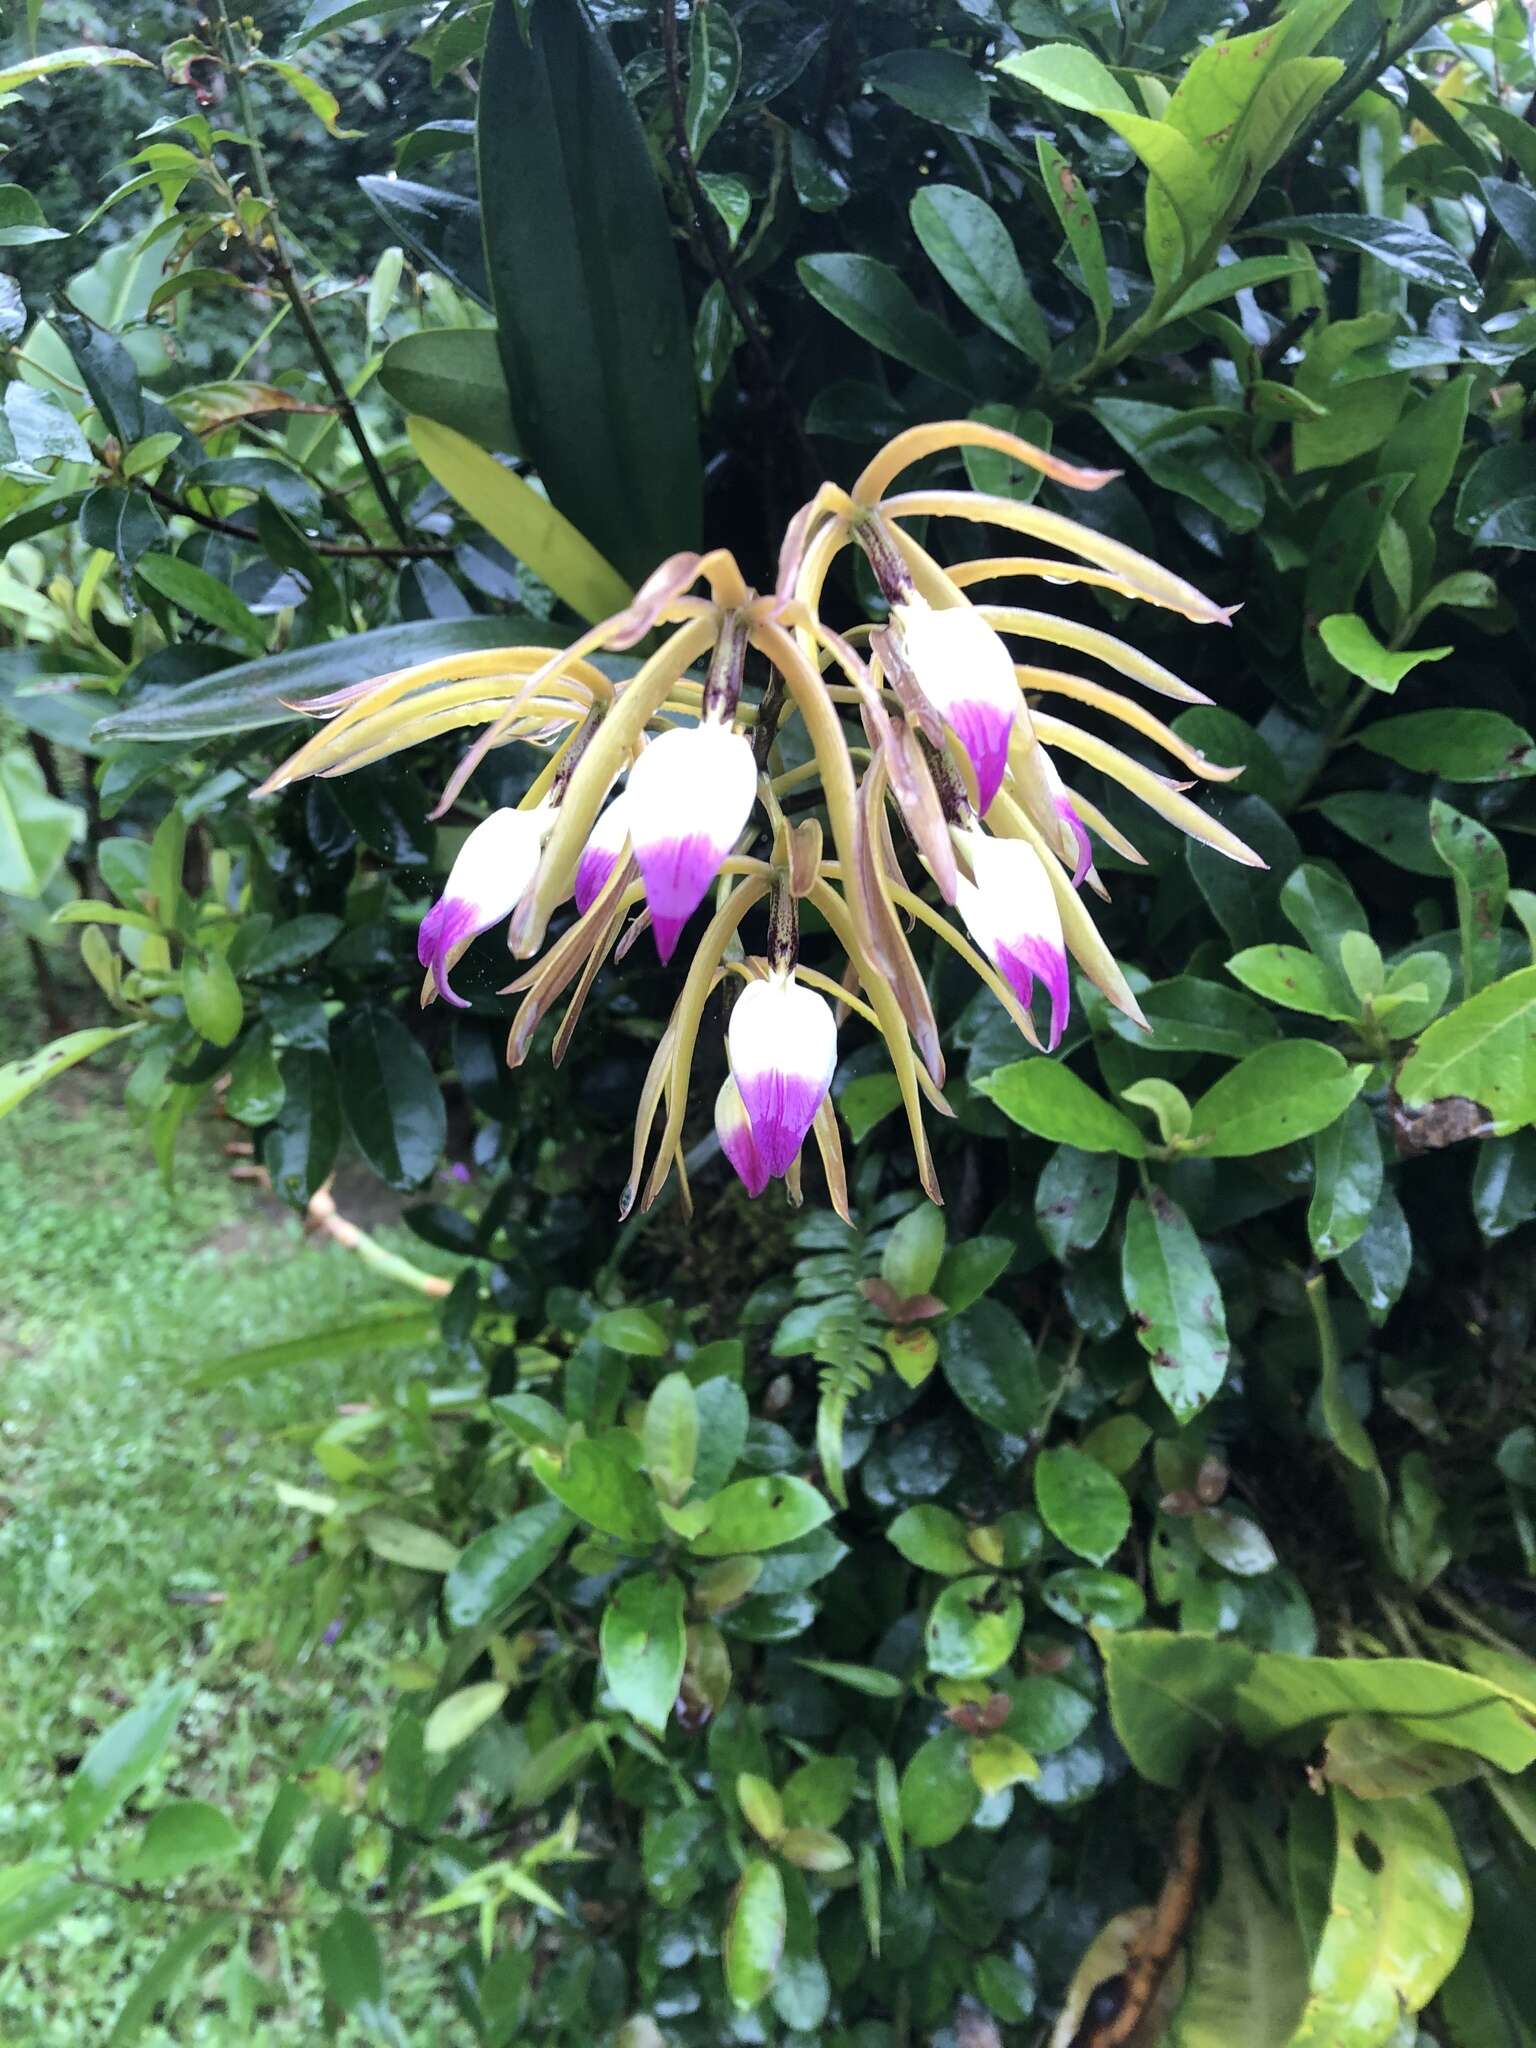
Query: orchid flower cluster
[929,748]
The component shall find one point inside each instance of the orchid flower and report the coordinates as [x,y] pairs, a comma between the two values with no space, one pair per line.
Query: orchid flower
[939,726]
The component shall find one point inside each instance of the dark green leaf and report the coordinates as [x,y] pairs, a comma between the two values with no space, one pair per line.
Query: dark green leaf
[265,692]
[351,1964]
[939,85]
[182,1835]
[579,246]
[391,1100]
[1347,1183]
[1460,745]
[989,1361]
[494,1570]
[714,70]
[974,254]
[301,1146]
[154,1988]
[440,228]
[1496,506]
[872,299]
[1074,1199]
[1421,257]
[453,375]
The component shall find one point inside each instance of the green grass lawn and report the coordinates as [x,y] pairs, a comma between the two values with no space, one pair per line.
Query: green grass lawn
[140,1532]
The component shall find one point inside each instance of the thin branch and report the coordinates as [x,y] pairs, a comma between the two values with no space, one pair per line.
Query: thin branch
[372,551]
[281,267]
[1368,70]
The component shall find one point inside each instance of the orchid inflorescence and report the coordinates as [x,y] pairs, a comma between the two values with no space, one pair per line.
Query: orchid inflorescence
[669,785]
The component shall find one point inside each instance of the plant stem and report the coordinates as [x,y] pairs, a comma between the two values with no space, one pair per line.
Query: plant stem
[282,269]
[1370,67]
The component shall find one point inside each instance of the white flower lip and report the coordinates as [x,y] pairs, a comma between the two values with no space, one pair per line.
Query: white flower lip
[966,673]
[494,867]
[1010,911]
[783,1047]
[688,797]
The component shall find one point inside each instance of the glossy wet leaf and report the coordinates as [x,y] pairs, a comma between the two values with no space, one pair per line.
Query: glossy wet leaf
[497,1567]
[938,1792]
[973,252]
[391,1100]
[1074,1200]
[1347,1177]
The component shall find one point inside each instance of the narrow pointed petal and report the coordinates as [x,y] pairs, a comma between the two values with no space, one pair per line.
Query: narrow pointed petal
[966,673]
[495,865]
[689,795]
[736,1140]
[1011,912]
[601,853]
[783,1047]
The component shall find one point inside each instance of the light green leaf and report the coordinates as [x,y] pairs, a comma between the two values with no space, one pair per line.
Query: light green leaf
[1355,647]
[754,1934]
[120,1759]
[453,1720]
[1084,1506]
[183,1835]
[1248,1966]
[1485,1050]
[80,58]
[1276,1095]
[1292,977]
[319,99]
[938,1792]
[1176,1302]
[759,1514]
[595,1480]
[973,1628]
[1398,1918]
[405,1543]
[215,1007]
[643,1641]
[1071,76]
[631,1330]
[1476,861]
[453,375]
[1049,1099]
[154,1988]
[1080,225]
[525,523]
[933,1539]
[671,1436]
[36,827]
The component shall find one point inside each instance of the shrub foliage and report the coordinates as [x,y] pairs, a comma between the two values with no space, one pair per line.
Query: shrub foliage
[1103,1604]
